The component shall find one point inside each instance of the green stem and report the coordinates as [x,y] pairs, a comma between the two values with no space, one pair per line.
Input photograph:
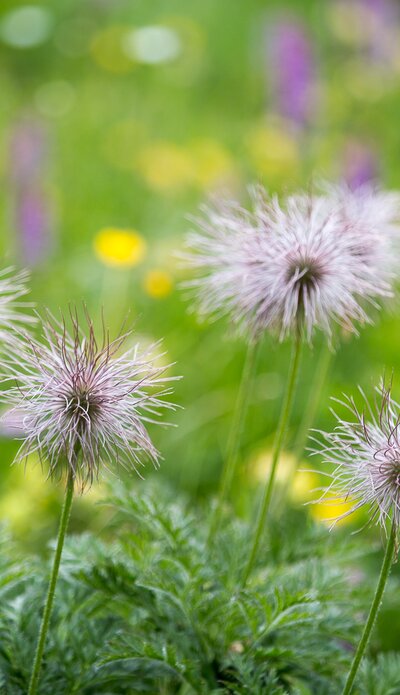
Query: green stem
[235,435]
[318,383]
[385,571]
[52,586]
[279,441]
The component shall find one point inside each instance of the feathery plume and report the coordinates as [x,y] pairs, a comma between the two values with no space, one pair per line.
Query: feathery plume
[375,215]
[305,263]
[13,286]
[84,404]
[365,453]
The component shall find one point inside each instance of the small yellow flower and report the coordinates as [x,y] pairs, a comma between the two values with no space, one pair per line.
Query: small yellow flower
[367,85]
[123,248]
[261,466]
[158,284]
[166,167]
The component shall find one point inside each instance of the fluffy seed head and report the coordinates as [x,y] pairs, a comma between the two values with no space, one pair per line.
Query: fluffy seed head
[375,215]
[12,309]
[82,404]
[304,263]
[365,453]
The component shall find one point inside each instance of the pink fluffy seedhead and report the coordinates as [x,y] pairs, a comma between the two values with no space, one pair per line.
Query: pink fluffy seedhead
[82,404]
[365,454]
[305,263]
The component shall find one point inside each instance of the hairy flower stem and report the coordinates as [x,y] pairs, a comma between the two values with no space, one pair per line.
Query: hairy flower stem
[235,435]
[385,571]
[52,586]
[279,441]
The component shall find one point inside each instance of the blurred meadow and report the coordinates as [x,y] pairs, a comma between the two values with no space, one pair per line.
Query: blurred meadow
[117,120]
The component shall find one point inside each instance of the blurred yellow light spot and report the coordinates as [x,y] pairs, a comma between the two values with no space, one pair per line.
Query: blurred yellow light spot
[120,247]
[273,151]
[158,284]
[213,163]
[261,466]
[97,491]
[329,510]
[26,496]
[303,485]
[166,167]
[369,85]
[355,23]
[107,50]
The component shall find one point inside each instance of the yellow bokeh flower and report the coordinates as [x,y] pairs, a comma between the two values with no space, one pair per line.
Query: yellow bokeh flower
[273,151]
[327,511]
[166,167]
[367,85]
[123,248]
[261,466]
[158,284]
[27,495]
[213,163]
[303,485]
[107,50]
[352,23]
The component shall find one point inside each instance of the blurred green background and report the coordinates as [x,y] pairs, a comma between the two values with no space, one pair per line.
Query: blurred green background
[117,120]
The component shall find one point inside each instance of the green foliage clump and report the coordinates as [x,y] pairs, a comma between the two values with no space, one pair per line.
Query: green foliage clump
[161,611]
[381,677]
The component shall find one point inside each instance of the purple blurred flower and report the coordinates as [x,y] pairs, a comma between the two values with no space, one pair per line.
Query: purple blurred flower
[360,164]
[379,19]
[83,404]
[381,8]
[33,222]
[28,153]
[304,263]
[291,70]
[372,27]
